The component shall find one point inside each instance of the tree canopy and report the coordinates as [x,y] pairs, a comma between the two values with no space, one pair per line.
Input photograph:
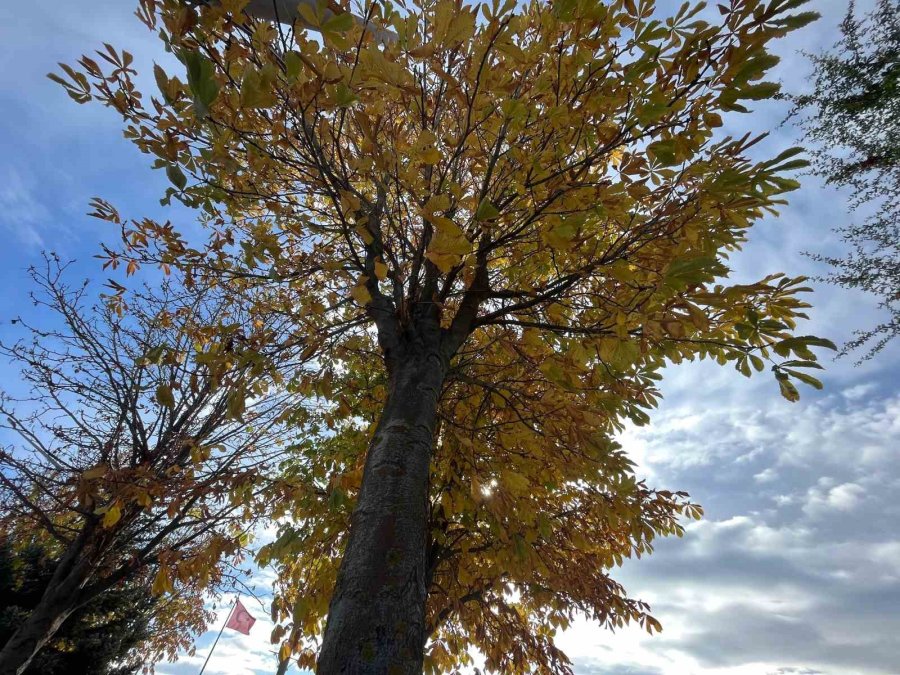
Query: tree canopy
[490,228]
[852,115]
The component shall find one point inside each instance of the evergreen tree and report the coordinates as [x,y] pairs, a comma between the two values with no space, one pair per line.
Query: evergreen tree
[853,116]
[97,639]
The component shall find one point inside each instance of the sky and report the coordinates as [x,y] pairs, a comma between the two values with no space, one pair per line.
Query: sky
[795,568]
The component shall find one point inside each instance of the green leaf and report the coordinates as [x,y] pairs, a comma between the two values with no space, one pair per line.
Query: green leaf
[344,96]
[155,354]
[336,499]
[685,272]
[788,390]
[258,88]
[235,404]
[339,23]
[800,345]
[564,10]
[162,81]
[759,92]
[756,67]
[176,175]
[805,378]
[203,86]
[792,165]
[803,364]
[293,66]
[664,152]
[561,236]
[486,211]
[813,341]
[112,515]
[798,20]
[521,547]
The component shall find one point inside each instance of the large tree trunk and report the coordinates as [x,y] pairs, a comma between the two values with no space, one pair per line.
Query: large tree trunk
[376,620]
[62,597]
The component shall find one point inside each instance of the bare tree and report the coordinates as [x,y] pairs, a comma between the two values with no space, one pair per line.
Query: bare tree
[137,452]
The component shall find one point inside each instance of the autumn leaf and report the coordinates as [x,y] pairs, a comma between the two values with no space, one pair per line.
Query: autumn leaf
[112,515]
[360,293]
[164,396]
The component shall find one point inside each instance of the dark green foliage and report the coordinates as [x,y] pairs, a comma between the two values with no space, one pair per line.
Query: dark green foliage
[853,117]
[96,640]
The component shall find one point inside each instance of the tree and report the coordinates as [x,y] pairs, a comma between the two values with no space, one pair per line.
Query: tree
[853,116]
[137,459]
[492,233]
[100,638]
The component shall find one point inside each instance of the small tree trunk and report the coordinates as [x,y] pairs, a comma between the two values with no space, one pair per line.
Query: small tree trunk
[376,620]
[62,597]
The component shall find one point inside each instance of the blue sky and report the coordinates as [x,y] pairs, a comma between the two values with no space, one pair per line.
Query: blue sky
[796,567]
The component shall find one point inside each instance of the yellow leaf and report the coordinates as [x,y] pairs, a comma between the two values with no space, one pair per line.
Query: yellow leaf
[615,156]
[514,481]
[161,582]
[164,396]
[285,652]
[112,515]
[309,14]
[426,151]
[556,313]
[444,262]
[561,237]
[674,328]
[144,499]
[381,270]
[350,203]
[448,237]
[788,390]
[236,404]
[360,293]
[436,203]
[363,231]
[430,156]
[448,244]
[96,472]
[234,7]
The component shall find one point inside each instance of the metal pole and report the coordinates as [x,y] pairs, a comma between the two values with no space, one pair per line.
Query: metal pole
[219,635]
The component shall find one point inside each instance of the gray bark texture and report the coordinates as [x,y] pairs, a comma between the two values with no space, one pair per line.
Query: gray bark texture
[376,620]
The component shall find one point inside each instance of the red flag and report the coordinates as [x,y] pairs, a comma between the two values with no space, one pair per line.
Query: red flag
[240,619]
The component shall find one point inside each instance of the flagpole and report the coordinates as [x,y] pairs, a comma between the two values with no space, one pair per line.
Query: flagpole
[221,630]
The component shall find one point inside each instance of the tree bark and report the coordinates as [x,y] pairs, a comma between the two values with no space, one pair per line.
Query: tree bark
[62,597]
[376,620]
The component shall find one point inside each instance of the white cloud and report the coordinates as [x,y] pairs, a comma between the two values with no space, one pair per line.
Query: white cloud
[844,497]
[765,476]
[21,212]
[795,566]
